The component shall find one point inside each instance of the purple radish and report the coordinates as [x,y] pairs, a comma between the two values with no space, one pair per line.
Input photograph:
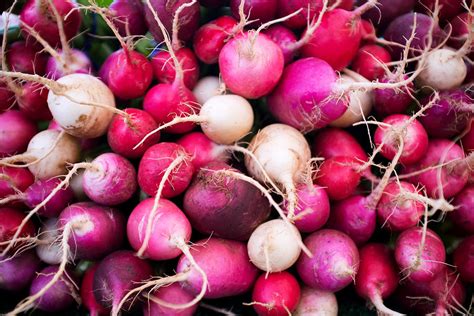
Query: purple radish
[16,273]
[128,15]
[16,130]
[39,190]
[174,294]
[463,214]
[463,259]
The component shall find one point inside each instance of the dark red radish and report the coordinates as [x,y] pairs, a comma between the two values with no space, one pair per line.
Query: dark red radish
[226,265]
[38,191]
[16,131]
[12,181]
[7,97]
[165,72]
[244,62]
[396,210]
[174,294]
[275,294]
[448,8]
[11,220]
[38,15]
[459,26]
[340,176]
[303,97]
[463,259]
[367,31]
[260,10]
[169,229]
[312,210]
[60,296]
[124,134]
[331,142]
[165,11]
[223,206]
[128,17]
[369,60]
[87,293]
[33,101]
[420,254]
[116,275]
[68,62]
[16,273]
[468,140]
[377,277]
[202,150]
[110,180]
[316,302]
[211,37]
[285,39]
[334,264]
[392,101]
[463,214]
[156,161]
[387,10]
[25,57]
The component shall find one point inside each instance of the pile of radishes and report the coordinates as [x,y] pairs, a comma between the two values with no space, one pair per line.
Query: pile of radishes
[265,157]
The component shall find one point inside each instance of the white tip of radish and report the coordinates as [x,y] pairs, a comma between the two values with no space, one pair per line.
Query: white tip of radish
[48,250]
[70,109]
[315,302]
[76,186]
[228,118]
[274,246]
[206,88]
[443,70]
[360,105]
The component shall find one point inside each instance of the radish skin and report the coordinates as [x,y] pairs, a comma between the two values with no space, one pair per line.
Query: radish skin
[316,303]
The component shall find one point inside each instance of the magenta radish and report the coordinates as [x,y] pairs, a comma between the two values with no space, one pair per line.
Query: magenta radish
[274,246]
[369,60]
[202,150]
[159,158]
[224,206]
[173,294]
[36,14]
[316,303]
[206,88]
[87,293]
[169,231]
[244,62]
[340,176]
[463,216]
[367,31]
[12,182]
[110,180]
[260,10]
[116,275]
[331,142]
[69,62]
[11,220]
[284,38]
[24,57]
[124,134]
[226,265]
[276,294]
[392,101]
[420,254]
[310,8]
[128,17]
[463,259]
[396,210]
[165,72]
[16,131]
[33,101]
[39,190]
[7,97]
[17,273]
[334,264]
[312,209]
[377,277]
[387,10]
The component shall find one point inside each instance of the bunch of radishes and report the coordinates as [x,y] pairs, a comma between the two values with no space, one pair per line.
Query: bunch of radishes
[272,152]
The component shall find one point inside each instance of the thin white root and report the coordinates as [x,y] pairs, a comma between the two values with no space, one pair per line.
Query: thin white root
[379,305]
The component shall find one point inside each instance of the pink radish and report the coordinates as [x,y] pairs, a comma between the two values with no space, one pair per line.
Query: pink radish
[16,131]
[331,142]
[463,216]
[340,176]
[368,61]
[129,17]
[202,150]
[38,191]
[25,57]
[316,303]
[174,294]
[463,258]
[18,272]
[87,293]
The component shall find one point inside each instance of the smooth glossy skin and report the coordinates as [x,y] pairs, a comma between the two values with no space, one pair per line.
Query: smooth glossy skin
[26,58]
[129,14]
[463,215]
[333,141]
[87,293]
[16,273]
[284,38]
[202,150]
[38,191]
[391,101]
[33,101]
[340,177]
[16,131]
[14,180]
[175,294]
[164,69]
[368,60]
[463,259]
[11,219]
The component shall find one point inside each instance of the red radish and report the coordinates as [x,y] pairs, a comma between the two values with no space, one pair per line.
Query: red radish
[36,14]
[395,210]
[448,8]
[211,37]
[468,140]
[285,38]
[312,210]
[170,229]
[202,150]
[369,60]
[463,216]
[174,294]
[316,303]
[377,277]
[7,97]
[111,180]
[420,254]
[124,134]
[226,265]
[340,176]
[59,296]
[128,17]
[276,294]
[459,30]
[331,142]
[12,181]
[11,220]
[74,61]
[165,72]
[274,246]
[260,10]
[33,101]
[156,160]
[16,130]
[116,275]
[87,293]
[463,259]
[224,206]
[334,264]
[367,30]
[39,190]
[392,101]
[16,273]
[24,57]
[206,88]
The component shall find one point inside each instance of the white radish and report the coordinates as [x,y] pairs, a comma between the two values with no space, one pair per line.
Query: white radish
[206,88]
[49,246]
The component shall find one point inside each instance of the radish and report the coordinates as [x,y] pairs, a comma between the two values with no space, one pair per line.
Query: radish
[448,8]
[174,294]
[463,259]
[260,10]
[377,277]
[462,216]
[13,181]
[420,254]
[387,10]
[128,17]
[334,264]
[116,275]
[24,57]
[206,88]
[7,97]
[367,29]
[33,101]
[392,101]
[39,190]
[273,246]
[316,303]
[331,142]
[276,294]
[285,39]
[87,293]
[224,206]
[10,226]
[18,272]
[165,72]
[61,64]
[48,249]
[369,60]
[202,150]
[16,130]
[459,26]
